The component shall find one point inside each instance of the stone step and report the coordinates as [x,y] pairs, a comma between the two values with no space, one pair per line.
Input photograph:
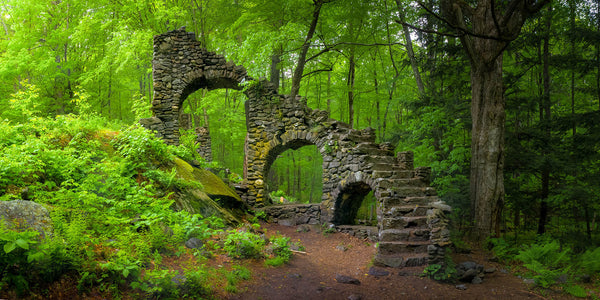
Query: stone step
[360,231]
[388,202]
[394,173]
[403,222]
[402,184]
[405,235]
[401,260]
[412,191]
[405,211]
[388,248]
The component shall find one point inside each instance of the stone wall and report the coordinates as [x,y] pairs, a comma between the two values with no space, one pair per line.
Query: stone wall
[204,143]
[411,229]
[180,66]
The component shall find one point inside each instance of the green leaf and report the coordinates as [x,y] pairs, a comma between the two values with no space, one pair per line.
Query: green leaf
[22,243]
[125,273]
[37,256]
[9,247]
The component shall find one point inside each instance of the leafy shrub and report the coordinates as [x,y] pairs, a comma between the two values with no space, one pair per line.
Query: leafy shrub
[281,251]
[576,290]
[589,261]
[25,261]
[546,260]
[243,244]
[140,147]
[502,248]
[234,276]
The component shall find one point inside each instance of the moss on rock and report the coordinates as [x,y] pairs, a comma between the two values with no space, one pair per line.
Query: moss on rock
[204,201]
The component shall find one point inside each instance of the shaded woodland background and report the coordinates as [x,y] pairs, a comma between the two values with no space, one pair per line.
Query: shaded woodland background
[363,64]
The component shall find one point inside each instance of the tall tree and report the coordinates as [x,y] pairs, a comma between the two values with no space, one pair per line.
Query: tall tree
[485,31]
[299,70]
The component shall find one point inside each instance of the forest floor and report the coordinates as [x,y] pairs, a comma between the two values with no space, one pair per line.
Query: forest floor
[312,275]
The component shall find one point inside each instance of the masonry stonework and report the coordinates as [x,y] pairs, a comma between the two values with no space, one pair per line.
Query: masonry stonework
[412,227]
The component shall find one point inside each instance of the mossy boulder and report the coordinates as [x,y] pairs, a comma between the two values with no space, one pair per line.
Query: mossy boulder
[215,198]
[22,215]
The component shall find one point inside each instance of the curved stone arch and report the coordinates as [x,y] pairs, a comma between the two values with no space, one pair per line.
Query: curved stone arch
[348,196]
[279,144]
[181,66]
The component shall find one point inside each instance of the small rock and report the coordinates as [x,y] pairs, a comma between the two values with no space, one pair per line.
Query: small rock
[341,248]
[470,265]
[494,259]
[404,273]
[373,271]
[477,280]
[489,270]
[529,280]
[287,222]
[354,297]
[178,279]
[585,278]
[303,228]
[295,275]
[346,279]
[468,275]
[194,243]
[461,287]
[504,271]
[562,278]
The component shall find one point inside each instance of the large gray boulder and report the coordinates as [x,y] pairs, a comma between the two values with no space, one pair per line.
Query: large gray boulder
[21,215]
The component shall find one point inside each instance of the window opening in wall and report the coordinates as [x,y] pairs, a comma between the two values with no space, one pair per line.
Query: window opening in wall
[221,113]
[296,176]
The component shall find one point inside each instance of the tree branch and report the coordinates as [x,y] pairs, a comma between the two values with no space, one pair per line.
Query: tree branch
[317,71]
[463,30]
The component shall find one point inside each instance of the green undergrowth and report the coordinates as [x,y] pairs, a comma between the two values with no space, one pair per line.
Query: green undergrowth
[110,194]
[552,265]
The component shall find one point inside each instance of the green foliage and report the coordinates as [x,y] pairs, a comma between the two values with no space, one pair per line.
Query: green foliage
[547,260]
[243,244]
[502,249]
[438,272]
[280,247]
[27,263]
[576,290]
[237,273]
[589,262]
[141,148]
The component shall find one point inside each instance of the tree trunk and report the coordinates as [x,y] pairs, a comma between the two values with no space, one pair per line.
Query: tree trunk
[409,50]
[487,148]
[489,30]
[275,61]
[350,83]
[547,116]
[297,77]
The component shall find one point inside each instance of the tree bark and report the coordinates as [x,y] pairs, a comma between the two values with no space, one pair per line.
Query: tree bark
[297,77]
[484,40]
[275,69]
[546,104]
[409,50]
[350,83]
[487,147]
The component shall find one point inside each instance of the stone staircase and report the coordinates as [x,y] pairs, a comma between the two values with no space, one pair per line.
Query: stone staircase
[411,230]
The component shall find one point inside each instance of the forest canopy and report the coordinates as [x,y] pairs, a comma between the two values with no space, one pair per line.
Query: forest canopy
[401,67]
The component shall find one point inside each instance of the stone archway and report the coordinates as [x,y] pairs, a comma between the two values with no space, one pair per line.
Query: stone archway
[180,66]
[411,223]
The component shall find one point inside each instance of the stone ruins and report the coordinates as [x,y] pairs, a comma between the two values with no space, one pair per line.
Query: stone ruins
[411,225]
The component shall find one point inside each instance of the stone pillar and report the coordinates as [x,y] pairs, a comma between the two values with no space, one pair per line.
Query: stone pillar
[405,160]
[204,143]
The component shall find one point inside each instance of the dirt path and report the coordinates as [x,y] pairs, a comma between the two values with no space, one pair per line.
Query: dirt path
[313,275]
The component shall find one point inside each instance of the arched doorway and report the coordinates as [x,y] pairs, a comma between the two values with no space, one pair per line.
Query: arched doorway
[296,176]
